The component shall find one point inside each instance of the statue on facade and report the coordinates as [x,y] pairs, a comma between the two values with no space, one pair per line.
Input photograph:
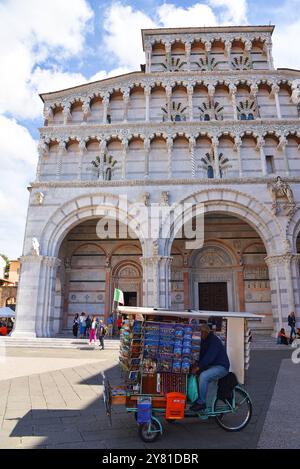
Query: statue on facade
[35,247]
[282,197]
[155,247]
[38,198]
[164,198]
[145,199]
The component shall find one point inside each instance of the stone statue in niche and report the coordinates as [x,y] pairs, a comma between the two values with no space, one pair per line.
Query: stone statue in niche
[35,247]
[282,197]
[67,263]
[38,198]
[164,198]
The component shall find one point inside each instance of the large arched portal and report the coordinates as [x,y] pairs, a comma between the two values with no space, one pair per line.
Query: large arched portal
[91,268]
[228,273]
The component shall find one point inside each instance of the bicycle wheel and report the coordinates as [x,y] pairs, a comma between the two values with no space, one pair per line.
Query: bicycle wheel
[240,415]
[149,432]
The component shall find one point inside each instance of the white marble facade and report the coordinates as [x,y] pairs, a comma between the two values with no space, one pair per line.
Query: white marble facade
[207,120]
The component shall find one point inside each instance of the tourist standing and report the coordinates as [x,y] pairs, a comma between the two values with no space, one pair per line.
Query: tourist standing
[292,324]
[102,332]
[93,330]
[82,325]
[119,324]
[110,324]
[75,325]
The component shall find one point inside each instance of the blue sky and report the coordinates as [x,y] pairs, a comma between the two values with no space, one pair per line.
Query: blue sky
[45,46]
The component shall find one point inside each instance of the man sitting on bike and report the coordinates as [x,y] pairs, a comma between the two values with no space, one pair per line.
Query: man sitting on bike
[213,364]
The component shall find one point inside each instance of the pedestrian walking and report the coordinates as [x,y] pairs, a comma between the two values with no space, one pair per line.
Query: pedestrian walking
[82,325]
[292,325]
[119,324]
[88,323]
[75,325]
[102,332]
[93,330]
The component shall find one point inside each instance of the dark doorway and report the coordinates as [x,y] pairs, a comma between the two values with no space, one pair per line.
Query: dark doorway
[130,298]
[213,297]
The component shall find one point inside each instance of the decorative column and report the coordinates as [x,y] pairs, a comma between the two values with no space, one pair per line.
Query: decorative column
[253,93]
[124,153]
[190,90]
[156,281]
[232,91]
[237,148]
[260,145]
[102,148]
[43,151]
[105,107]
[192,144]
[147,93]
[228,45]
[61,152]
[281,279]
[186,290]
[86,108]
[148,50]
[48,115]
[268,51]
[126,97]
[215,144]
[188,48]
[207,46]
[108,300]
[67,266]
[169,148]
[282,146]
[35,298]
[82,147]
[211,94]
[248,47]
[168,95]
[241,289]
[168,48]
[275,93]
[147,153]
[67,113]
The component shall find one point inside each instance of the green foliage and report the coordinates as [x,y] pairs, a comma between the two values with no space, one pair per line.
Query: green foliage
[7,264]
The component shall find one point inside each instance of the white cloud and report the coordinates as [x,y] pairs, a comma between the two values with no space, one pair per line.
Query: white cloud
[286,46]
[18,162]
[234,12]
[123,24]
[122,39]
[199,14]
[32,31]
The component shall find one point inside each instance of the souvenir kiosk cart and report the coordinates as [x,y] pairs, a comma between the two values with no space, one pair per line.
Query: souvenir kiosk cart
[157,350]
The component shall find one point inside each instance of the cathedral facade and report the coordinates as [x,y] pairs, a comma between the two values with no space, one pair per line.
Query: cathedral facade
[205,136]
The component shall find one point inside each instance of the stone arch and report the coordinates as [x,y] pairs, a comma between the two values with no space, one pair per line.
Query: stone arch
[236,203]
[218,245]
[82,208]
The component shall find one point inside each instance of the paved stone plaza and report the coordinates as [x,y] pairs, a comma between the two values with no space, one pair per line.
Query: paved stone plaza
[52,399]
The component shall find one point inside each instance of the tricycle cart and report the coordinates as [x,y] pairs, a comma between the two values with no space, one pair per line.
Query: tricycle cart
[158,348]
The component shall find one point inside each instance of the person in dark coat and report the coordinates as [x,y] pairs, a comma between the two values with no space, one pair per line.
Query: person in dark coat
[292,324]
[213,364]
[75,325]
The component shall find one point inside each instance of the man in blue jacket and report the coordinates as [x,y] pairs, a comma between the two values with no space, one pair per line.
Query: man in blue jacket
[213,364]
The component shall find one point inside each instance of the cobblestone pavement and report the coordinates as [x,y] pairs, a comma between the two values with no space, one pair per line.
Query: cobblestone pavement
[59,405]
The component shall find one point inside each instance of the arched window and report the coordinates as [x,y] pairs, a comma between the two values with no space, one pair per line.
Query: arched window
[177,118]
[250,117]
[210,172]
[206,117]
[243,117]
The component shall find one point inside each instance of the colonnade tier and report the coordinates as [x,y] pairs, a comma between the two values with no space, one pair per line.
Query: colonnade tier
[173,100]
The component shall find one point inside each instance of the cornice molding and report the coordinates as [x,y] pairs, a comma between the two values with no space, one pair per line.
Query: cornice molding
[148,79]
[192,129]
[210,183]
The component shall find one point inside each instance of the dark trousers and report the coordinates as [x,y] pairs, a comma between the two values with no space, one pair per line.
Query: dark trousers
[101,340]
